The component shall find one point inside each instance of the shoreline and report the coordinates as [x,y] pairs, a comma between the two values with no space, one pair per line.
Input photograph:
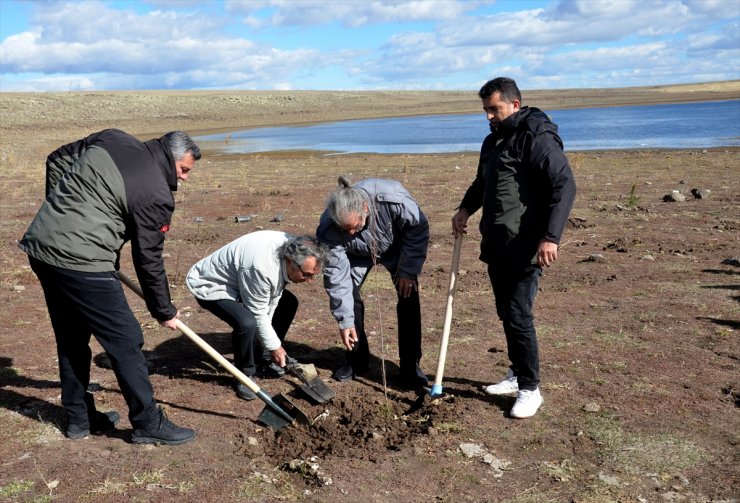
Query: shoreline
[33,124]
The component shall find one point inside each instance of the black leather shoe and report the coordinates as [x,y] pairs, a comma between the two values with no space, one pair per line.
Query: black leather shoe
[413,378]
[344,374]
[162,431]
[99,422]
[244,393]
[349,372]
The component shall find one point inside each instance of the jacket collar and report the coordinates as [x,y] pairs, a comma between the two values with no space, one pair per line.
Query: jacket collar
[165,160]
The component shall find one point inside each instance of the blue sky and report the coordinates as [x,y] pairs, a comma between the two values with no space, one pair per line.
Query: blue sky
[50,45]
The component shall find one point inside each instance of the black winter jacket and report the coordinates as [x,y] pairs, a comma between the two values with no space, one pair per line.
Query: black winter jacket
[101,192]
[525,186]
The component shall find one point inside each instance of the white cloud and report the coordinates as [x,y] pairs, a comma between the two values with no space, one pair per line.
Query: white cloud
[129,46]
[203,44]
[352,13]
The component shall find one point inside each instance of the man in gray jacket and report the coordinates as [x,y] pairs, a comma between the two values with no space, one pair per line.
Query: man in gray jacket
[374,221]
[244,284]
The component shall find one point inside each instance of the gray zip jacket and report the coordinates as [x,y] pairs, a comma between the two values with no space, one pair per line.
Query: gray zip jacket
[396,235]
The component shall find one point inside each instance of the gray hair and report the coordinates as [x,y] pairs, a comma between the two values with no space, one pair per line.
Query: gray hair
[298,248]
[345,201]
[181,144]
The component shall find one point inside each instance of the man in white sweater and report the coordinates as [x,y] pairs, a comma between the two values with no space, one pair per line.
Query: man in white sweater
[243,283]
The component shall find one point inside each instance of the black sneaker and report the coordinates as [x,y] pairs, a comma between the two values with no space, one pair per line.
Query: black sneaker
[413,378]
[162,431]
[244,393]
[99,422]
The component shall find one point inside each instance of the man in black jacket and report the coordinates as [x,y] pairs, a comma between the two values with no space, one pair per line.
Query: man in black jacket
[526,188]
[101,192]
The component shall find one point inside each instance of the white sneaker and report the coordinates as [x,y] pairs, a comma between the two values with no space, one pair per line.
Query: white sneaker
[505,387]
[527,403]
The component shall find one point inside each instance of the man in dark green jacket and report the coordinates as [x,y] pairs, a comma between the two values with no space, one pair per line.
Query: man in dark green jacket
[101,192]
[526,189]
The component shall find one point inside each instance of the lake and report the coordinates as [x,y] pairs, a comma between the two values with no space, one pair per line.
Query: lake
[688,125]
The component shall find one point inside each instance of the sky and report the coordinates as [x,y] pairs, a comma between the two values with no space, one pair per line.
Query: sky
[96,45]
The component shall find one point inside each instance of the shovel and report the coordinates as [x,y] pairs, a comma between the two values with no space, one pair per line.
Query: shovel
[275,414]
[436,390]
[314,387]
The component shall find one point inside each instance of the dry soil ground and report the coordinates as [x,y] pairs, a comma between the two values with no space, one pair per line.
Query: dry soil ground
[637,321]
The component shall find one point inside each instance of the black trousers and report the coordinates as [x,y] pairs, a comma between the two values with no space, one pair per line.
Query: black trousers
[82,304]
[244,326]
[408,312]
[515,290]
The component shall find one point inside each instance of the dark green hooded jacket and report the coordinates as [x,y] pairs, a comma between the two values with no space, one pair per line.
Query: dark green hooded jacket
[101,192]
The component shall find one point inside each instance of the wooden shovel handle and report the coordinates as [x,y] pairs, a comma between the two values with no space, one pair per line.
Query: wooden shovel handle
[448,313]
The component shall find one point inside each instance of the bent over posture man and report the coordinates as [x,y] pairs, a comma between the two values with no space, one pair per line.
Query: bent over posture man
[244,284]
[526,189]
[101,192]
[375,221]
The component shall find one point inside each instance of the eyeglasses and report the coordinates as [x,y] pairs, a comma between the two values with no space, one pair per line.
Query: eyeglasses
[304,274]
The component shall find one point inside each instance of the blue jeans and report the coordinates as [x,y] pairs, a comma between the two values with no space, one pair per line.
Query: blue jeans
[514,290]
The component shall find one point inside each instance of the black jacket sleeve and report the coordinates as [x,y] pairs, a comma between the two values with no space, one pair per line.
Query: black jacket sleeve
[548,157]
[148,225]
[473,199]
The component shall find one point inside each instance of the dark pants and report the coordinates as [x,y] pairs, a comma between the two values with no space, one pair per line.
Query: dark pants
[82,304]
[408,311]
[514,290]
[244,326]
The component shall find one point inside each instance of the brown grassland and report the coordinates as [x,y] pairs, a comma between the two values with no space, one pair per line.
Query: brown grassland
[637,323]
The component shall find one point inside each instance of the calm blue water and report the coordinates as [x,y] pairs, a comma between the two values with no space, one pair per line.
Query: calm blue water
[692,125]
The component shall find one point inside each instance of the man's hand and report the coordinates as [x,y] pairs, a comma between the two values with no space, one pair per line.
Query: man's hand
[171,323]
[547,253]
[460,222]
[279,356]
[349,337]
[405,286]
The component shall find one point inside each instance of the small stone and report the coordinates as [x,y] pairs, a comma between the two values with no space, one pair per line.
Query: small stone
[735,261]
[596,257]
[674,197]
[243,218]
[701,193]
[18,288]
[199,220]
[278,218]
[609,480]
[592,407]
[252,441]
[472,450]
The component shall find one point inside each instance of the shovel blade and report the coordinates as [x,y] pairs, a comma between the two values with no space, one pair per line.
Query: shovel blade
[318,390]
[308,369]
[314,387]
[270,418]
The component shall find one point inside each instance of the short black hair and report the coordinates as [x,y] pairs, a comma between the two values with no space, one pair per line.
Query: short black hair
[504,85]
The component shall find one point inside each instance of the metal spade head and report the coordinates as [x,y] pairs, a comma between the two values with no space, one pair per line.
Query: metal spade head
[269,417]
[315,388]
